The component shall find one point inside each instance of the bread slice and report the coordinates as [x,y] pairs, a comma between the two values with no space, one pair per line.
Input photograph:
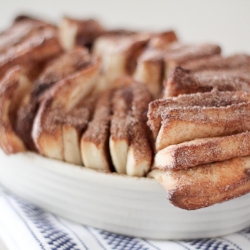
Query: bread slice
[160,107]
[219,62]
[74,124]
[182,81]
[185,124]
[94,142]
[59,68]
[140,152]
[149,68]
[47,131]
[202,151]
[76,32]
[37,48]
[179,54]
[20,29]
[207,184]
[119,53]
[119,128]
[59,101]
[14,88]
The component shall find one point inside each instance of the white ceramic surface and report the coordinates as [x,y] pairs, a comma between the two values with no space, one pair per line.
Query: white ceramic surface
[120,204]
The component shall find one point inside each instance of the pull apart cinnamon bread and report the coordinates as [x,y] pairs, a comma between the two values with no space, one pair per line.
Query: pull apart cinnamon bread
[22,28]
[150,66]
[94,142]
[202,146]
[85,95]
[31,50]
[76,32]
[119,53]
[30,43]
[179,54]
[13,91]
[217,72]
[139,55]
[56,106]
[118,133]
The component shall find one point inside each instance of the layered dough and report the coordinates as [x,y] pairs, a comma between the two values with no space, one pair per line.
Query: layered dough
[94,142]
[207,184]
[62,99]
[202,146]
[90,96]
[14,88]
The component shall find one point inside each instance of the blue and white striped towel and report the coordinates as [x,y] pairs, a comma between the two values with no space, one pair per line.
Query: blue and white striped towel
[26,227]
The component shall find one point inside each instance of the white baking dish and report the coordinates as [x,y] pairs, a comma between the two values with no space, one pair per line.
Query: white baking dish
[121,204]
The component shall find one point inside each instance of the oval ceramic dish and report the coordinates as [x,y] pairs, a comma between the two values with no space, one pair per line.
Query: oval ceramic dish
[120,204]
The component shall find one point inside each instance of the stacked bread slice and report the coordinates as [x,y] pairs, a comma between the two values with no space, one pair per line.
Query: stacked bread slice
[130,138]
[196,140]
[201,131]
[61,100]
[217,72]
[25,48]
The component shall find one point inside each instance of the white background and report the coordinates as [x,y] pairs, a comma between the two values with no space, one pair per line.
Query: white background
[226,22]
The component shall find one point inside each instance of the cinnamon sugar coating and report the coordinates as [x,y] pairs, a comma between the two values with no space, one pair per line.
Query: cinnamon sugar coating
[59,68]
[179,54]
[21,29]
[218,62]
[40,46]
[158,108]
[80,32]
[150,66]
[94,142]
[207,184]
[119,128]
[14,86]
[182,81]
[201,139]
[140,152]
[202,151]
[179,125]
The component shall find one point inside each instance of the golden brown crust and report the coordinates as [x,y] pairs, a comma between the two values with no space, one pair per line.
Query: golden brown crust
[205,185]
[73,125]
[24,120]
[119,53]
[54,71]
[121,108]
[39,47]
[68,92]
[47,131]
[61,67]
[55,110]
[162,40]
[180,125]
[218,62]
[119,128]
[149,68]
[159,107]
[14,87]
[76,32]
[179,54]
[99,126]
[19,31]
[140,152]
[182,81]
[97,134]
[202,151]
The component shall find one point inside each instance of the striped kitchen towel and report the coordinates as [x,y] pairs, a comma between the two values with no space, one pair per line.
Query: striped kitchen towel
[24,226]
